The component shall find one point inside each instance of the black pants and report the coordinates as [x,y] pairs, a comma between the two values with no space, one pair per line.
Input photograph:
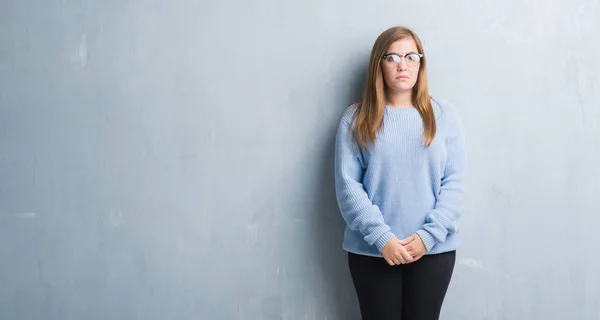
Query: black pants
[413,291]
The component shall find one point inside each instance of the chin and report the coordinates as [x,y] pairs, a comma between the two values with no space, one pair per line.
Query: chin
[402,89]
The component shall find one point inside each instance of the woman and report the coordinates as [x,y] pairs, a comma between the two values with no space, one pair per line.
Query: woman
[399,171]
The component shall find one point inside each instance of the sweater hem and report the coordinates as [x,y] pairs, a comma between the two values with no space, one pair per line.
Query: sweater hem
[437,249]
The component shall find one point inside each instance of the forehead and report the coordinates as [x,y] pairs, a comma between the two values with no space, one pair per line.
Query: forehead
[403,46]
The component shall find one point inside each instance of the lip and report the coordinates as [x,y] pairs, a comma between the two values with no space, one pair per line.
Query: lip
[402,77]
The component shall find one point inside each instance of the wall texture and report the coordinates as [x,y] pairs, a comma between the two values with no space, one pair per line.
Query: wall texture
[173,159]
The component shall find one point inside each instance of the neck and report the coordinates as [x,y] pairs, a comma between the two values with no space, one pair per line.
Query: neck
[400,99]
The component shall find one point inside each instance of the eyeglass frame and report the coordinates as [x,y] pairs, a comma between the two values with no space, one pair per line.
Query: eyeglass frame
[420,55]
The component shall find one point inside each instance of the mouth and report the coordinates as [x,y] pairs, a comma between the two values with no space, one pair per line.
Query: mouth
[402,78]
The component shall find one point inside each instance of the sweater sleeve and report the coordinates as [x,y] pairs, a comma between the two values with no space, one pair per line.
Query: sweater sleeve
[443,219]
[355,206]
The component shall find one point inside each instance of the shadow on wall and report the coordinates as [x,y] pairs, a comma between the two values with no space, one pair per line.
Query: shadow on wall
[339,297]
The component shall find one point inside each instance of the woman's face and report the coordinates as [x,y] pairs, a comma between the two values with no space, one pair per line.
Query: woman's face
[401,72]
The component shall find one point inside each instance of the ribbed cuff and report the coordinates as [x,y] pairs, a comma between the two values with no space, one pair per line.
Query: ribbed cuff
[427,238]
[380,243]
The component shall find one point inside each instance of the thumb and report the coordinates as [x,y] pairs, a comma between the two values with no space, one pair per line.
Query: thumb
[405,241]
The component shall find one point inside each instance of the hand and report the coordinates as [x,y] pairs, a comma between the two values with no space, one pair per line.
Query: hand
[395,253]
[414,246]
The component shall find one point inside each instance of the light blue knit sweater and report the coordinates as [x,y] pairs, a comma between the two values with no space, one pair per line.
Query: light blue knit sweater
[401,186]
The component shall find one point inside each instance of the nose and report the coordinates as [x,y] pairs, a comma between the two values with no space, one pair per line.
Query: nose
[403,65]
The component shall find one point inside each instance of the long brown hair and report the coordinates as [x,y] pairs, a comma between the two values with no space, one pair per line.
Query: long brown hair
[368,117]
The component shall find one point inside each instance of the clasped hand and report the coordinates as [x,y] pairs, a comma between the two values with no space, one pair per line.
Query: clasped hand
[404,251]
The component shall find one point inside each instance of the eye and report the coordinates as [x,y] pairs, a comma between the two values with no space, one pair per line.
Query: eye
[414,57]
[392,58]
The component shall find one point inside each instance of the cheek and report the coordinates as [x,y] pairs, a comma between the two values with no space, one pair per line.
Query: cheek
[415,74]
[386,72]
[415,78]
[388,76]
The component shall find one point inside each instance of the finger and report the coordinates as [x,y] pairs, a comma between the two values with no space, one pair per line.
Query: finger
[405,241]
[390,258]
[410,239]
[411,249]
[398,259]
[389,261]
[407,257]
[415,258]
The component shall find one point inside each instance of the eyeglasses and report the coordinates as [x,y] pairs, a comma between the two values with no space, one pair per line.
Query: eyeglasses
[412,59]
